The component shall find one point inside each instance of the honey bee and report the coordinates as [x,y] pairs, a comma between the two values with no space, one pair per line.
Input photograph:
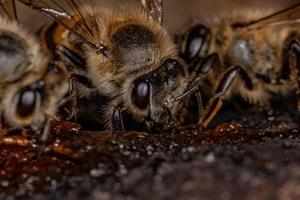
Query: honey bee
[31,86]
[125,55]
[250,54]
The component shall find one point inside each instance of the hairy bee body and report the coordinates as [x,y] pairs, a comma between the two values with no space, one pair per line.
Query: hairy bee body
[31,87]
[260,52]
[138,47]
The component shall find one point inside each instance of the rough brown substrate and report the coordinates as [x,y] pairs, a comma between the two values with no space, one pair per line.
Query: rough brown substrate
[226,163]
[241,165]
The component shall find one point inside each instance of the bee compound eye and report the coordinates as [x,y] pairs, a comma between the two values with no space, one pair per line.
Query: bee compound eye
[141,95]
[27,102]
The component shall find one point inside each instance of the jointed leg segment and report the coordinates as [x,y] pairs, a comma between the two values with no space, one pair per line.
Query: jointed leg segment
[117,120]
[223,88]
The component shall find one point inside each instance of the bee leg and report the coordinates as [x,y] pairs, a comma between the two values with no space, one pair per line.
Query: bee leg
[66,106]
[68,96]
[196,78]
[172,126]
[46,131]
[292,66]
[208,64]
[67,109]
[82,80]
[194,44]
[203,68]
[117,120]
[71,58]
[224,86]
[199,103]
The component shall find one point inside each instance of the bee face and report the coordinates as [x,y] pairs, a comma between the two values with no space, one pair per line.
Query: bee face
[32,100]
[150,91]
[158,74]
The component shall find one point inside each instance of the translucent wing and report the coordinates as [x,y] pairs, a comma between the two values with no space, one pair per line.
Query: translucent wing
[154,8]
[289,15]
[8,9]
[68,13]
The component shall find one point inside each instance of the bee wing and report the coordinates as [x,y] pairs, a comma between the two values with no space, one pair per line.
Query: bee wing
[8,9]
[289,15]
[86,22]
[154,8]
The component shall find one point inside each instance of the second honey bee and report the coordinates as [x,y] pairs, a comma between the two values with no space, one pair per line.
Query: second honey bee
[250,54]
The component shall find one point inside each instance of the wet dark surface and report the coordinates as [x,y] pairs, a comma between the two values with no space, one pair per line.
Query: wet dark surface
[228,162]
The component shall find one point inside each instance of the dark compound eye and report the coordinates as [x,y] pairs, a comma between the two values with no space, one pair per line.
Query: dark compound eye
[27,102]
[141,94]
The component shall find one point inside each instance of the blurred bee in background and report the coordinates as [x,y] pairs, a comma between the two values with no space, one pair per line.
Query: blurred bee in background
[31,86]
[249,54]
[125,55]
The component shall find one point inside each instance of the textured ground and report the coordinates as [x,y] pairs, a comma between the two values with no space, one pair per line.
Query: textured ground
[228,162]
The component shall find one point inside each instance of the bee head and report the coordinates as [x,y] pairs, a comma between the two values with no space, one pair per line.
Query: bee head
[33,99]
[150,91]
